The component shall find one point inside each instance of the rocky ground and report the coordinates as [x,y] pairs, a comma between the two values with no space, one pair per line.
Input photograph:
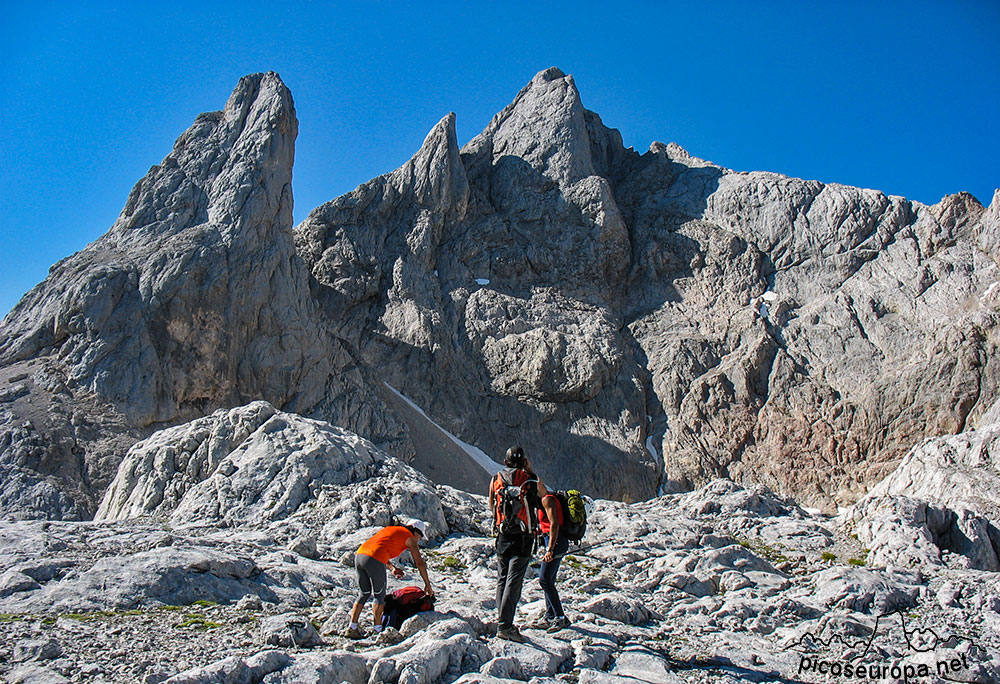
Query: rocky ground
[724,584]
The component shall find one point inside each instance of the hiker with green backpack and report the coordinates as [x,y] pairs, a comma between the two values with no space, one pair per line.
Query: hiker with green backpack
[561,519]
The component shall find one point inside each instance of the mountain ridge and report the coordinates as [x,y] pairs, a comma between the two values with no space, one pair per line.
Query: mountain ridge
[542,284]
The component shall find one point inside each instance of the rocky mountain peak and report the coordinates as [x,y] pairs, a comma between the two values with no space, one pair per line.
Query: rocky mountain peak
[198,269]
[231,169]
[957,213]
[988,231]
[195,298]
[646,322]
[435,175]
[544,126]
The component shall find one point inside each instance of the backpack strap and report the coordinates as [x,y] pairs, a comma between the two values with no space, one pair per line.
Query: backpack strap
[494,500]
[529,494]
[506,479]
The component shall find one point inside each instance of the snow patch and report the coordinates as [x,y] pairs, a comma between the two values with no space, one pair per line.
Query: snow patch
[475,453]
[651,448]
[768,296]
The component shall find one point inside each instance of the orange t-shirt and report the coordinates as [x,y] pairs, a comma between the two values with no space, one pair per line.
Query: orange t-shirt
[386,544]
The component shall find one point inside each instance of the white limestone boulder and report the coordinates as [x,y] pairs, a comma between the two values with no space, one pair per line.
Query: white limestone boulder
[256,465]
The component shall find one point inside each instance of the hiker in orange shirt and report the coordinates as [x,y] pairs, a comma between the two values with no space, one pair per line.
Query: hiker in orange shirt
[371,562]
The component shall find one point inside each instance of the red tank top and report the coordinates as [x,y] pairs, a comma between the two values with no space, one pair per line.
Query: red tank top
[543,520]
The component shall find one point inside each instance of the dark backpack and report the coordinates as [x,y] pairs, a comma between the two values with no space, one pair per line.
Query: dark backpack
[511,500]
[404,603]
[574,514]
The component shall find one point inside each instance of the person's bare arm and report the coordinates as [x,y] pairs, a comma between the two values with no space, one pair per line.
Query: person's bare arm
[542,489]
[414,548]
[551,512]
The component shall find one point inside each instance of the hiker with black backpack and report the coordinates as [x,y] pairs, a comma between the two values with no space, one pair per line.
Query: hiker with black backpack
[371,561]
[515,494]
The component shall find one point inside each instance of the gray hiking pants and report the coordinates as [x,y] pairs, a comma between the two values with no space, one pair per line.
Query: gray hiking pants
[371,578]
[511,565]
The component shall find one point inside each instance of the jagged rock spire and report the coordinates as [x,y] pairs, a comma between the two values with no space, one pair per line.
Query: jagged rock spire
[195,297]
[435,175]
[988,230]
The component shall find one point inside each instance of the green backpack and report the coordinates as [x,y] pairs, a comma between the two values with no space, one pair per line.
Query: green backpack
[574,514]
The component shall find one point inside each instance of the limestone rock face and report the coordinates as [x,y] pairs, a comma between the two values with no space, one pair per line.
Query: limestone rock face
[641,323]
[195,296]
[486,283]
[804,335]
[655,320]
[942,499]
[194,299]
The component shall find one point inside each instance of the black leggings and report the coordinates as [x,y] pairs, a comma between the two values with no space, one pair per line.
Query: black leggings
[371,578]
[547,578]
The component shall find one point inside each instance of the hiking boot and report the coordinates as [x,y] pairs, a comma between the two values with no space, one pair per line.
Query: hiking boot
[560,623]
[510,634]
[354,633]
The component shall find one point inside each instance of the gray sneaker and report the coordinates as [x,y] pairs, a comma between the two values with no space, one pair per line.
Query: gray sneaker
[559,624]
[354,633]
[510,634]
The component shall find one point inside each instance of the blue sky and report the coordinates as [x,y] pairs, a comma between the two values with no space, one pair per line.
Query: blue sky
[901,97]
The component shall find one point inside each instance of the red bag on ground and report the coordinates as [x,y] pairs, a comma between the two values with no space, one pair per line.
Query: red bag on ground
[405,603]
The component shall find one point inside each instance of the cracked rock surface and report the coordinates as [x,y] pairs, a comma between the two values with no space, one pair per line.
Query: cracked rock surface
[723,584]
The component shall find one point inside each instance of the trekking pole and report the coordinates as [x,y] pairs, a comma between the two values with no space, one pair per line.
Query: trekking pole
[569,552]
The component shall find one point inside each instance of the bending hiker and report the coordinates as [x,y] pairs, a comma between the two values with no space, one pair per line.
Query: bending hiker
[514,495]
[551,523]
[371,562]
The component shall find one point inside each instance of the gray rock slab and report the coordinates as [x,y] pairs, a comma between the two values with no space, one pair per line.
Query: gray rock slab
[289,630]
[35,674]
[36,649]
[621,608]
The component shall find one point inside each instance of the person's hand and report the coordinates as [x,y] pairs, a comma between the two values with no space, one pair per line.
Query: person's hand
[549,556]
[428,590]
[397,573]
